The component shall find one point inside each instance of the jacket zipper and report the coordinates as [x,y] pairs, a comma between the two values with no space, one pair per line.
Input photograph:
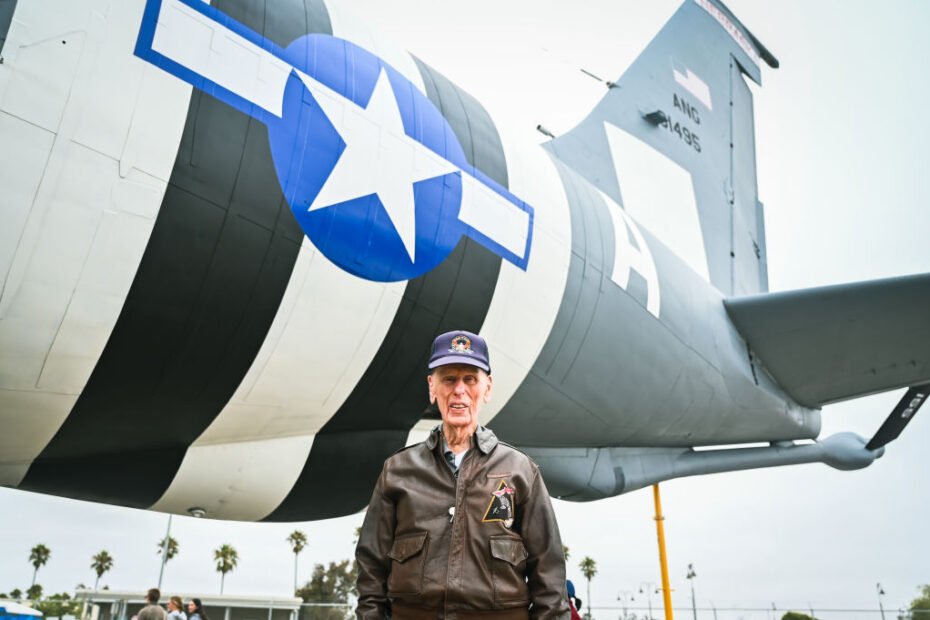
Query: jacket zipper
[455,524]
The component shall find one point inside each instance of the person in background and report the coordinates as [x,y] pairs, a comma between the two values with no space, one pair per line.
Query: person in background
[573,601]
[152,610]
[195,610]
[176,608]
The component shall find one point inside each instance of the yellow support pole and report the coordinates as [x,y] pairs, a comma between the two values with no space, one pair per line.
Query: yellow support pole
[663,562]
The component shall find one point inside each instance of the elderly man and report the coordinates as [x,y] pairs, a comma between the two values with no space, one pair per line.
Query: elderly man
[460,526]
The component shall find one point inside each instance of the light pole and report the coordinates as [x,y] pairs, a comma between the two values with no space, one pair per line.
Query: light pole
[691,575]
[878,588]
[624,596]
[648,587]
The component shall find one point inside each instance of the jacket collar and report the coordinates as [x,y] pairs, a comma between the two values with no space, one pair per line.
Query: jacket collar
[483,437]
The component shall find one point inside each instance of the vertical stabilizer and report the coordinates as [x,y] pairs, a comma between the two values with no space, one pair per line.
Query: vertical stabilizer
[673,142]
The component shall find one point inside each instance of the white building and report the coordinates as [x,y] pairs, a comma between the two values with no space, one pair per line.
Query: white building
[125,604]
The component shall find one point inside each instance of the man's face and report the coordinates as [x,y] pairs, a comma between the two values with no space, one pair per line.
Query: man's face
[459,390]
[191,607]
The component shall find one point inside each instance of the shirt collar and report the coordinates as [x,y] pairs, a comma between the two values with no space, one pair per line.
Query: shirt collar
[485,438]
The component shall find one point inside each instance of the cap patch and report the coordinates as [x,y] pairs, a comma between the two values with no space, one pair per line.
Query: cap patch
[461,344]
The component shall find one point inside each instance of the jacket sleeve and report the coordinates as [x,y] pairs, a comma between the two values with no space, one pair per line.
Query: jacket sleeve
[545,562]
[371,553]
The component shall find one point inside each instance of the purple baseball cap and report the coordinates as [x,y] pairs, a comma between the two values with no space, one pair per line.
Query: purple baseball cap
[460,347]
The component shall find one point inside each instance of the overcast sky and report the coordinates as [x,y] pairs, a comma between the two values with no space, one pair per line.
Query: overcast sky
[843,143]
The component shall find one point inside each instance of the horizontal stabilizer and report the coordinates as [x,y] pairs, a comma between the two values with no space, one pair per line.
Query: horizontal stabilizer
[837,342]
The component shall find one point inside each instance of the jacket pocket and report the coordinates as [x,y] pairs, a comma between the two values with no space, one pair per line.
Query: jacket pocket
[508,567]
[408,555]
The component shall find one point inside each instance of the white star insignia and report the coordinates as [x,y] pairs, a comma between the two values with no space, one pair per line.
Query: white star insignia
[379,157]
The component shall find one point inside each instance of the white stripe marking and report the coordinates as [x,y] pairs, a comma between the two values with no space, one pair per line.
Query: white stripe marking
[328,328]
[241,481]
[694,85]
[494,216]
[81,223]
[525,303]
[211,50]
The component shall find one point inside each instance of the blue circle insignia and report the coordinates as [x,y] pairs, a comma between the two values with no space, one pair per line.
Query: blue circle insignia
[361,234]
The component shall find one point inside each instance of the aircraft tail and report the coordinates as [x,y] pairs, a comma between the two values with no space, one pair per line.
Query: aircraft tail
[837,342]
[673,142]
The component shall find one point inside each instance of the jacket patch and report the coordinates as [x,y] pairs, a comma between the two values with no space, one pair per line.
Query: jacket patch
[501,506]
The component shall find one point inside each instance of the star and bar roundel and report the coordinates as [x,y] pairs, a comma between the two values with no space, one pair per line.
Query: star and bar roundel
[369,166]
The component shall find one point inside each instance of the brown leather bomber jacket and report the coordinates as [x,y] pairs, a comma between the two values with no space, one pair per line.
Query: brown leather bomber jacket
[497,555]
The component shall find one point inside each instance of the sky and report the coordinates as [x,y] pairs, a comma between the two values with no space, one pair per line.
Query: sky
[843,146]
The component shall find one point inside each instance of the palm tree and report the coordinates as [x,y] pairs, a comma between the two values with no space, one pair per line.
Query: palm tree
[102,562]
[588,569]
[227,559]
[298,541]
[172,547]
[565,552]
[38,556]
[34,593]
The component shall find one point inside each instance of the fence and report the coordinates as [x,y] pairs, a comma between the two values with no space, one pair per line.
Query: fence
[776,612]
[346,611]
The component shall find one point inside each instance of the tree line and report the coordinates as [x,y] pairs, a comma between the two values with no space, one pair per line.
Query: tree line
[331,588]
[225,556]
